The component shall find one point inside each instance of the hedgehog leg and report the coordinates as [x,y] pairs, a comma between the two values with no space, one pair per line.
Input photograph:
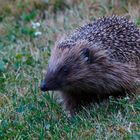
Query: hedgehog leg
[71,107]
[70,103]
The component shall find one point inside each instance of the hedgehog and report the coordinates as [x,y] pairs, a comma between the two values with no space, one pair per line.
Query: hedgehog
[95,61]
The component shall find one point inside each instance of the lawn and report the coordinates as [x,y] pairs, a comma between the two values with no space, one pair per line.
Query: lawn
[28,31]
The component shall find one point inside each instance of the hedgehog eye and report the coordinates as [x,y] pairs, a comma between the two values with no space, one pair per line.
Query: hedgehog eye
[64,70]
[86,55]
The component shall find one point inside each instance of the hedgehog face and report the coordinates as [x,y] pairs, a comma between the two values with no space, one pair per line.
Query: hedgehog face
[55,80]
[70,67]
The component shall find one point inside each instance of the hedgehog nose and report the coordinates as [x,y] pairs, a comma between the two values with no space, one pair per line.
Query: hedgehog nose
[43,86]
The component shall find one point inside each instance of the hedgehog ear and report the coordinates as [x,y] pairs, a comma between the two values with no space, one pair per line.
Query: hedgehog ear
[86,55]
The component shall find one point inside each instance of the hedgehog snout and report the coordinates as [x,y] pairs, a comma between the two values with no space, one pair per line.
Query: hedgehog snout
[50,84]
[43,86]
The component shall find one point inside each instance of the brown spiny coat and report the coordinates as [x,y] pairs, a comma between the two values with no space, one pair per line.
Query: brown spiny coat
[97,60]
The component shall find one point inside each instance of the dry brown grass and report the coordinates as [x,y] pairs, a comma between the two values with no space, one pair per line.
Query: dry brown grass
[91,9]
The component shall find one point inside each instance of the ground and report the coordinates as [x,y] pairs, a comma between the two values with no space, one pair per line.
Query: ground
[28,31]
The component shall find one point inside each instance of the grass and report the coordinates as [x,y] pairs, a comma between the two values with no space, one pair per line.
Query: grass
[26,112]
